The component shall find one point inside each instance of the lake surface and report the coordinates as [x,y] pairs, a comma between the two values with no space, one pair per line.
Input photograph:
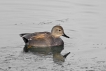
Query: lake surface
[83,20]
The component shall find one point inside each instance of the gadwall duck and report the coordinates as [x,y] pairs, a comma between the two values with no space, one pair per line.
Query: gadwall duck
[44,39]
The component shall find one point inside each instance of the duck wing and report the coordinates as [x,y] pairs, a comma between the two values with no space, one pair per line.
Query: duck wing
[30,36]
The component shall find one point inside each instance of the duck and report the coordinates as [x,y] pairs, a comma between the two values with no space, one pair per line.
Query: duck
[43,40]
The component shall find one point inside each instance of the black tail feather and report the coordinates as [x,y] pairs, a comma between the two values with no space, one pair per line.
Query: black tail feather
[21,35]
[25,40]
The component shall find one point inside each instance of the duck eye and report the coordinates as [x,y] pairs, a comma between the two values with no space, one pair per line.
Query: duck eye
[59,30]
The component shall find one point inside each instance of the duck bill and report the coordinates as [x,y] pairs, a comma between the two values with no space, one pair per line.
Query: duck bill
[65,36]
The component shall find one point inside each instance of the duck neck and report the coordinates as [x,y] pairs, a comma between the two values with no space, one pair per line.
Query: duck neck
[55,36]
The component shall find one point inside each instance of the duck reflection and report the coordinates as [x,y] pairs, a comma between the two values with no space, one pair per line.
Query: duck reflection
[55,51]
[57,57]
[46,50]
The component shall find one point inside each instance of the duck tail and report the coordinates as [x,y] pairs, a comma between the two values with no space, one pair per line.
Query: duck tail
[66,55]
[25,40]
[21,35]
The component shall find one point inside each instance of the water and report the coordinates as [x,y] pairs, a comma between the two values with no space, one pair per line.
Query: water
[82,20]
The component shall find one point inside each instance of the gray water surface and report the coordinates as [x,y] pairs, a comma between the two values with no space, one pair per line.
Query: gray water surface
[83,20]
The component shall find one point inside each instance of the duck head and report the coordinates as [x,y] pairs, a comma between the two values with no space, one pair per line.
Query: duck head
[58,31]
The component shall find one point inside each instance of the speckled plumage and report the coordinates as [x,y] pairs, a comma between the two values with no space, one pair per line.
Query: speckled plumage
[44,39]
